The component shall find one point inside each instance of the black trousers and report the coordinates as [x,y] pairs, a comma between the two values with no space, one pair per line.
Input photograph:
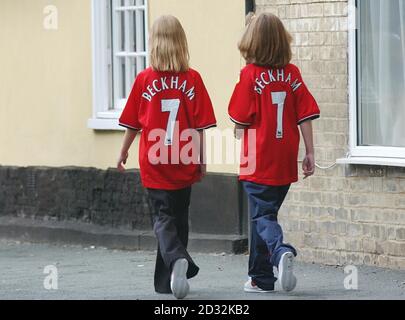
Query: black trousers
[170,210]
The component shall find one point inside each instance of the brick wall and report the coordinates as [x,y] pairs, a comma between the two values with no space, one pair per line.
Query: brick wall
[86,195]
[108,198]
[352,214]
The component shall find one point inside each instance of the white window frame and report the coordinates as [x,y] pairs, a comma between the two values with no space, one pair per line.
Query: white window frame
[104,117]
[386,156]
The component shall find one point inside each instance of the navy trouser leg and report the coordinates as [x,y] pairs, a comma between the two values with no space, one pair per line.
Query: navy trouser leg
[170,223]
[267,244]
[260,269]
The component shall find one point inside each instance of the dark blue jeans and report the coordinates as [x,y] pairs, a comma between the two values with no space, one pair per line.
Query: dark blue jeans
[266,239]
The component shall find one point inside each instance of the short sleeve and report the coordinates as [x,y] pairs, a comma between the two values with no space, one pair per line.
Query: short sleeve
[130,115]
[306,105]
[204,116]
[242,108]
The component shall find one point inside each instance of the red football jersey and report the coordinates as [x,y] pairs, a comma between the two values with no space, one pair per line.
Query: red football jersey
[164,105]
[273,102]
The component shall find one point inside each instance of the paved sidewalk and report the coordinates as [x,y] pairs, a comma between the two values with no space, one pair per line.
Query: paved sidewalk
[97,273]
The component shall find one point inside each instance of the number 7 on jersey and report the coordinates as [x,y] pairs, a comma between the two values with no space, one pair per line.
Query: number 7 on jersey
[278,98]
[172,106]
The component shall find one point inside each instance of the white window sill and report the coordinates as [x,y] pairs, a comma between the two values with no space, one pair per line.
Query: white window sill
[390,162]
[104,124]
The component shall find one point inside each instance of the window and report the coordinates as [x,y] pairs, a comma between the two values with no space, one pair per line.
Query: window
[377,82]
[119,54]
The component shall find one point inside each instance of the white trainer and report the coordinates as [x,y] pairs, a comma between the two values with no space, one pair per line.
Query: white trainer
[285,272]
[178,281]
[251,287]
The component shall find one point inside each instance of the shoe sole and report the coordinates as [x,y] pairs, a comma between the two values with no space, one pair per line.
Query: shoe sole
[179,283]
[287,279]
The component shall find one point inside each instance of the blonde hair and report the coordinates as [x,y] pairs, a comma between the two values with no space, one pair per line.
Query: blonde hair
[266,42]
[168,45]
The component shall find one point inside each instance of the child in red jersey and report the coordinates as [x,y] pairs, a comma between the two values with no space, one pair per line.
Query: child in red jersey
[272,99]
[169,103]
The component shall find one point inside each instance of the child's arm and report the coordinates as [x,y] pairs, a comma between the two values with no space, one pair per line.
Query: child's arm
[308,165]
[128,140]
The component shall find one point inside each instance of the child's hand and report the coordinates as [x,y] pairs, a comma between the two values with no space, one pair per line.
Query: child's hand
[308,165]
[122,160]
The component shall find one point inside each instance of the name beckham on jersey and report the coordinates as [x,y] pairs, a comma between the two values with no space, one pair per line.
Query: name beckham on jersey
[270,76]
[167,83]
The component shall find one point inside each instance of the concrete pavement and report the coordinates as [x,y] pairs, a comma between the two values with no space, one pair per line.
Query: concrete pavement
[97,273]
